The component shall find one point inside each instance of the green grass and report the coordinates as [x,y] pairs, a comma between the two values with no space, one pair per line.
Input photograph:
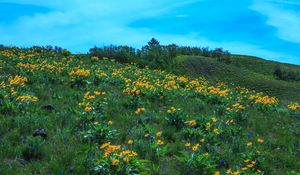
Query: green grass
[250,72]
[67,150]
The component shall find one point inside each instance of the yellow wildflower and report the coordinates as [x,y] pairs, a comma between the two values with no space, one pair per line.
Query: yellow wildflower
[115,162]
[260,140]
[160,142]
[158,134]
[187,145]
[130,142]
[88,109]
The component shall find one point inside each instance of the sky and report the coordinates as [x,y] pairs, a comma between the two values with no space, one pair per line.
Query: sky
[265,28]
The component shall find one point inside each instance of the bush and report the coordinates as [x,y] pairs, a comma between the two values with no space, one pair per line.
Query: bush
[286,74]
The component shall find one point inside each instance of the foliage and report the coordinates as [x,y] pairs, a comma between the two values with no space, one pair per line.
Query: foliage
[104,117]
[285,74]
[154,54]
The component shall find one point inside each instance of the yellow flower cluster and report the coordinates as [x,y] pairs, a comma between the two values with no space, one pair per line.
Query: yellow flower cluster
[198,85]
[29,66]
[117,153]
[108,148]
[191,122]
[264,100]
[217,90]
[160,142]
[237,107]
[192,147]
[88,99]
[229,171]
[294,106]
[172,110]
[17,80]
[80,72]
[27,98]
[171,85]
[248,164]
[139,110]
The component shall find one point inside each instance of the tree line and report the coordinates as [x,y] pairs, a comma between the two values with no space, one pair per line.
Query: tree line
[154,54]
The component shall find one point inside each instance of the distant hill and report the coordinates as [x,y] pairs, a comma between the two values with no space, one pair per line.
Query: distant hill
[246,71]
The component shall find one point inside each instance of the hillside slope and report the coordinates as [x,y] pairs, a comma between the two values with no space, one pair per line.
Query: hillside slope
[250,72]
[76,114]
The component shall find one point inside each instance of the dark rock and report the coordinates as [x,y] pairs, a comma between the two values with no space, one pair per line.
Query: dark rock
[21,161]
[40,132]
[48,107]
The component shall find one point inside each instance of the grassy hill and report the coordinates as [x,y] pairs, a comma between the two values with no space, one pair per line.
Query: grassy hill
[75,114]
[245,71]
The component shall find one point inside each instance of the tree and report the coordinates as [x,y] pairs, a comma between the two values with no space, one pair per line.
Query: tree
[153,42]
[2,47]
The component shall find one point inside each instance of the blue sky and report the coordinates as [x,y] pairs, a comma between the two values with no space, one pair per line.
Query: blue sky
[264,28]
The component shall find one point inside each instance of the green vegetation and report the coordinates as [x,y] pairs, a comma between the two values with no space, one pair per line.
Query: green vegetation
[81,114]
[250,72]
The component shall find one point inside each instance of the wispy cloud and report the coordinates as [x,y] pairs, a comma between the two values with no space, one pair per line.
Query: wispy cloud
[80,24]
[71,23]
[285,20]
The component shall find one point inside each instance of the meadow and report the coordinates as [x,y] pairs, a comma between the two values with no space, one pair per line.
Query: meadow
[63,113]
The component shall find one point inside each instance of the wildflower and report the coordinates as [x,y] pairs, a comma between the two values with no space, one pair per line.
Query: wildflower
[244,168]
[236,172]
[216,131]
[217,173]
[191,122]
[250,165]
[158,134]
[96,123]
[214,120]
[126,159]
[195,147]
[110,149]
[80,72]
[159,142]
[17,80]
[88,109]
[294,106]
[130,142]
[187,145]
[27,98]
[228,171]
[139,110]
[110,122]
[207,126]
[249,144]
[171,110]
[104,145]
[115,162]
[146,134]
[260,140]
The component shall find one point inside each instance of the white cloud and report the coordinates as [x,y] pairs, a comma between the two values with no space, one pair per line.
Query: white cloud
[70,23]
[80,24]
[286,21]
